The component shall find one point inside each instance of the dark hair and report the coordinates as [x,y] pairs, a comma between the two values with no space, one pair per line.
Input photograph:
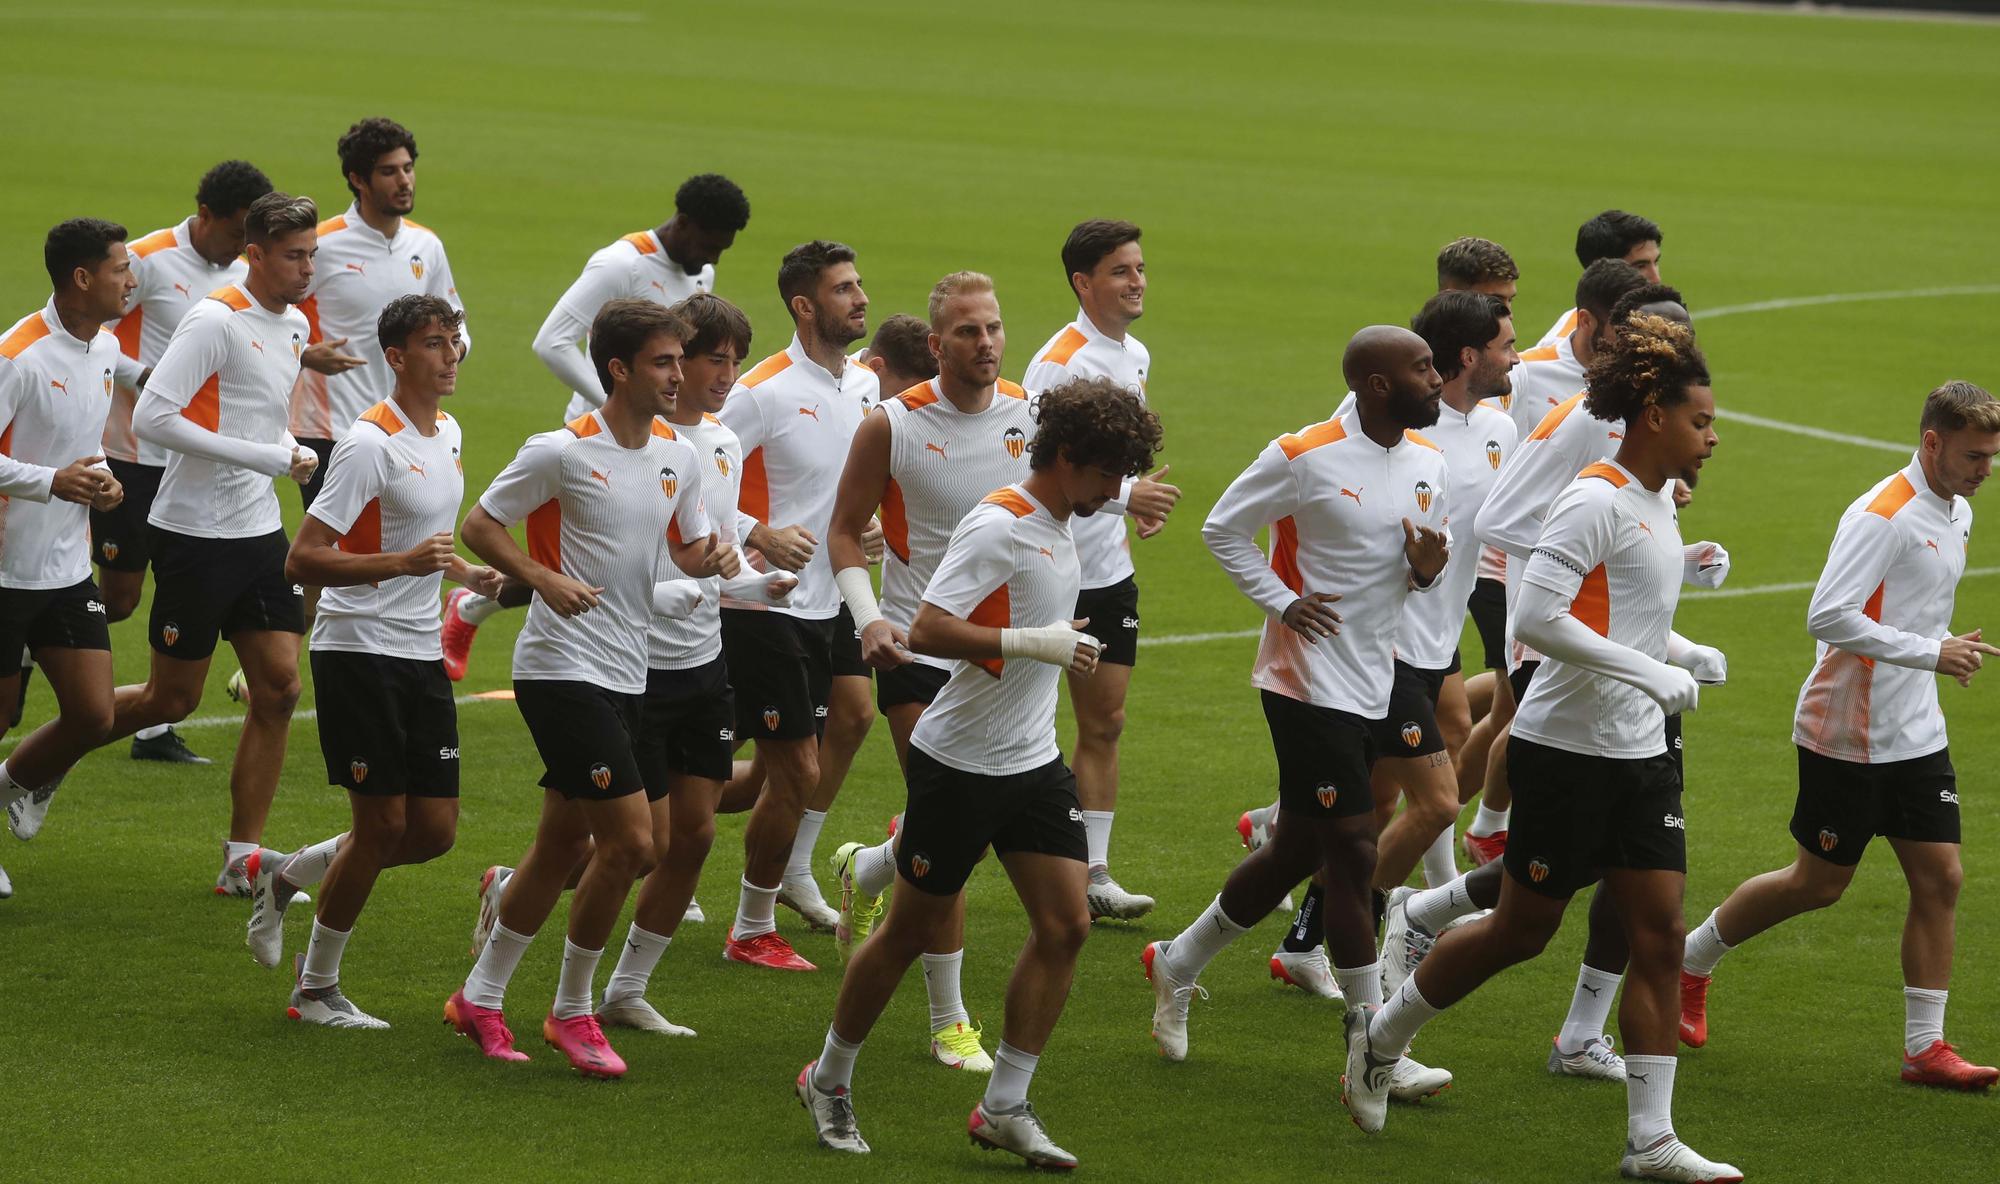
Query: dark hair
[277,214]
[1611,234]
[1090,242]
[712,202]
[78,242]
[712,322]
[799,272]
[1643,295]
[1958,405]
[1095,423]
[1602,283]
[1454,320]
[1463,262]
[622,329]
[1652,361]
[369,141]
[406,314]
[904,342]
[231,186]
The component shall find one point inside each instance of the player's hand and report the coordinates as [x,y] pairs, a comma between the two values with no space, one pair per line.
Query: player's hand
[1083,662]
[1704,564]
[871,542]
[108,497]
[484,581]
[1708,665]
[1683,494]
[1148,527]
[567,597]
[1310,618]
[81,481]
[327,358]
[778,588]
[717,560]
[1678,691]
[788,547]
[433,554]
[885,647]
[1152,497]
[1426,550]
[1961,657]
[304,461]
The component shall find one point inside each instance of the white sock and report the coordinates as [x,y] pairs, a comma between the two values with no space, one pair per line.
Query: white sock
[1923,1018]
[1397,1023]
[835,1067]
[1440,862]
[1649,1100]
[803,842]
[1007,1089]
[1705,948]
[635,963]
[474,609]
[875,868]
[579,967]
[152,733]
[486,986]
[323,957]
[10,789]
[1589,1008]
[941,983]
[1187,955]
[234,852]
[1487,822]
[753,911]
[307,866]
[1360,984]
[1434,908]
[1096,839]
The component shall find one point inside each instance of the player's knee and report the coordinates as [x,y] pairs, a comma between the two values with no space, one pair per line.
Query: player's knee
[425,841]
[1064,934]
[91,723]
[632,853]
[1938,888]
[1101,729]
[172,704]
[1658,944]
[692,841]
[119,606]
[1818,891]
[276,697]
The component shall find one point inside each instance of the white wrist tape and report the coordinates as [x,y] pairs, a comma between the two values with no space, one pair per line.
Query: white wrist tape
[1055,644]
[1704,564]
[859,594]
[676,599]
[754,587]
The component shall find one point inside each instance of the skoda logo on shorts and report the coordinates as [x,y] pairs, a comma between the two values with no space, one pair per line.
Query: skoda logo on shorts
[170,633]
[97,606]
[600,775]
[669,483]
[298,589]
[1493,453]
[1537,870]
[1015,441]
[358,768]
[1424,492]
[770,719]
[1327,795]
[1412,734]
[920,865]
[1827,839]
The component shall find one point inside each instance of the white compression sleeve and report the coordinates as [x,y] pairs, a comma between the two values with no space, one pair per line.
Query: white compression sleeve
[859,594]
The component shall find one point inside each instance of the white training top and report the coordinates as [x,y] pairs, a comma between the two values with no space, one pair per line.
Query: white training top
[1882,606]
[1475,446]
[172,275]
[1546,377]
[600,513]
[941,463]
[355,275]
[388,488]
[229,369]
[682,643]
[1564,326]
[636,267]
[795,421]
[55,392]
[1081,351]
[1009,565]
[1612,546]
[1335,502]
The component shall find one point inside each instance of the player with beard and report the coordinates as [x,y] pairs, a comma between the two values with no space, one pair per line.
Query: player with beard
[1598,791]
[1356,508]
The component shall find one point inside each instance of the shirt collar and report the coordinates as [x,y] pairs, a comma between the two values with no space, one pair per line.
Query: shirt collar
[355,223]
[797,352]
[54,322]
[1351,424]
[1914,474]
[1092,333]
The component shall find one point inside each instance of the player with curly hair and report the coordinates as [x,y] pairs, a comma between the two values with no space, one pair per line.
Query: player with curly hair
[984,766]
[1597,791]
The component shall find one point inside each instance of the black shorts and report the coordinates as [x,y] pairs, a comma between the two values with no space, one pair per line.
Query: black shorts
[120,538]
[687,726]
[1324,757]
[782,669]
[1488,606]
[69,618]
[1411,727]
[1576,815]
[205,588]
[1114,620]
[1521,677]
[1844,804]
[387,726]
[584,734]
[323,449]
[952,817]
[847,661]
[912,682]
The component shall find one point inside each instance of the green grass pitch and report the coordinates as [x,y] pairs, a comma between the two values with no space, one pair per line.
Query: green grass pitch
[1296,166]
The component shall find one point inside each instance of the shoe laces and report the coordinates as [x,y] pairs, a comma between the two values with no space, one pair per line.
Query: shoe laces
[1184,997]
[839,1104]
[962,1039]
[491,1025]
[1416,944]
[1601,1051]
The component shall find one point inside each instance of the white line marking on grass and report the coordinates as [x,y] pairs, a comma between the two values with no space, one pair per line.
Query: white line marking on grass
[1799,429]
[1730,310]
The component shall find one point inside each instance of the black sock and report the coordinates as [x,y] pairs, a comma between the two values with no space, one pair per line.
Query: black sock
[1306,932]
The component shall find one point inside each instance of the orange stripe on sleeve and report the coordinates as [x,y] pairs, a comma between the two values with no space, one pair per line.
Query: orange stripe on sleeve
[1418,438]
[232,296]
[1592,605]
[775,364]
[754,498]
[365,536]
[32,330]
[1605,472]
[1011,390]
[1064,347]
[205,408]
[545,534]
[643,241]
[1544,353]
[1285,554]
[1009,500]
[159,240]
[1313,437]
[584,426]
[895,522]
[1547,427]
[1894,496]
[921,395]
[128,330]
[383,418]
[996,612]
[310,307]
[332,225]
